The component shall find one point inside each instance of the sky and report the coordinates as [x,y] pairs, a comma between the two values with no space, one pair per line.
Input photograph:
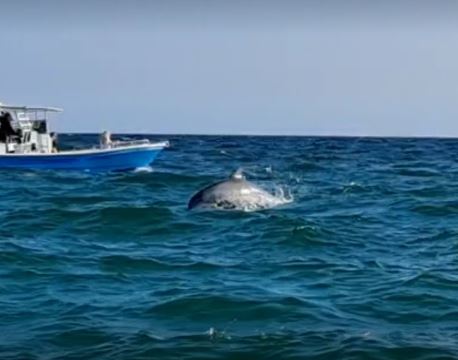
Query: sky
[317,67]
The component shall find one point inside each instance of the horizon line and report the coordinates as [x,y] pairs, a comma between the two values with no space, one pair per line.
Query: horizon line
[444,137]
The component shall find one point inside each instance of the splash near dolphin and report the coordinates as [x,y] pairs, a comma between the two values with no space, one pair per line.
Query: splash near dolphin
[236,193]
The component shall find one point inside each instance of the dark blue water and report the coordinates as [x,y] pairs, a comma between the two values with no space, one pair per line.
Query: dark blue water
[362,265]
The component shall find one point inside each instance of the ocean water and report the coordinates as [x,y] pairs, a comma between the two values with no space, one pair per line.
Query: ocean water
[363,264]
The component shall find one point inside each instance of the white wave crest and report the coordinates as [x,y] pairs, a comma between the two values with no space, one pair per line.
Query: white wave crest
[143,169]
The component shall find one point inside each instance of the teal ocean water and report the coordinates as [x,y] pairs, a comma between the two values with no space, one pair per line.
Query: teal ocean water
[363,264]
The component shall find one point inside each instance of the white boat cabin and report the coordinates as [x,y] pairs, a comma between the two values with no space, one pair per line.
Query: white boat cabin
[24,130]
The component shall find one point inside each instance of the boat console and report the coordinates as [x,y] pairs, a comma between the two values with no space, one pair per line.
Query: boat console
[25,130]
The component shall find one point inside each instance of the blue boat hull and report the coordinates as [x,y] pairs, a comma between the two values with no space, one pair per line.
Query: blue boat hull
[95,160]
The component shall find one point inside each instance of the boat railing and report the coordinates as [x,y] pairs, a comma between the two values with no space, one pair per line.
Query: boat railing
[120,143]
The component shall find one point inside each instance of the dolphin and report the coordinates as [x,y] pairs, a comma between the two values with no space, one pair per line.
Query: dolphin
[234,193]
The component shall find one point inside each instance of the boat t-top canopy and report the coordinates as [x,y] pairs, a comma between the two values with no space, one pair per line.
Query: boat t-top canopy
[29,108]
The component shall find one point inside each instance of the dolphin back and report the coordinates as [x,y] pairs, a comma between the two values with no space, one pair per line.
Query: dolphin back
[198,198]
[195,200]
[234,193]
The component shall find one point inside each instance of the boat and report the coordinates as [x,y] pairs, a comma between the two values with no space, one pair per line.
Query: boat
[27,143]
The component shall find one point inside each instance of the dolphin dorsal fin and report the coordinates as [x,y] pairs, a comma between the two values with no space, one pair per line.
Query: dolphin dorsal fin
[238,175]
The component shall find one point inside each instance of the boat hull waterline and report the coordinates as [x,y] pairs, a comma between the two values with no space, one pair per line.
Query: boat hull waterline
[113,159]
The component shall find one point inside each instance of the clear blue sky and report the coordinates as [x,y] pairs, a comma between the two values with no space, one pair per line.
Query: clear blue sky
[236,67]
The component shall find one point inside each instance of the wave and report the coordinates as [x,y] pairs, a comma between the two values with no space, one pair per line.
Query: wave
[224,308]
[125,263]
[441,209]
